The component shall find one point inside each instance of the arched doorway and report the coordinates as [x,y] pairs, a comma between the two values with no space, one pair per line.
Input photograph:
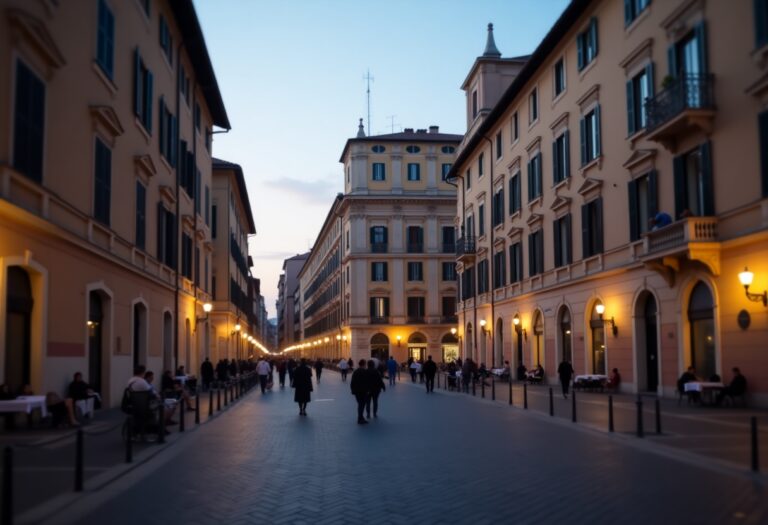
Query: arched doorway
[702,321]
[498,358]
[18,322]
[139,334]
[417,346]
[450,348]
[469,339]
[537,357]
[95,340]
[167,341]
[187,346]
[565,334]
[647,340]
[380,347]
[597,329]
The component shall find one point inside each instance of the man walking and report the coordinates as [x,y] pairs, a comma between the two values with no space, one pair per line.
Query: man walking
[360,386]
[392,370]
[565,371]
[430,369]
[376,387]
[318,369]
[263,369]
[343,368]
[206,373]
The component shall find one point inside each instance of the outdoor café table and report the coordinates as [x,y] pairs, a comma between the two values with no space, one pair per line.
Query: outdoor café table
[590,381]
[25,404]
[705,388]
[497,371]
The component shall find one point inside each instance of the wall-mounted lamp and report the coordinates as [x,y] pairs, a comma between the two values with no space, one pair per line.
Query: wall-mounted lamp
[600,309]
[483,322]
[518,327]
[338,338]
[207,307]
[343,337]
[453,331]
[746,280]
[237,329]
[398,340]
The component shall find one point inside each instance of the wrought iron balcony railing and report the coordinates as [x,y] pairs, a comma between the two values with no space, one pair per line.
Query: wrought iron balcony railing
[379,247]
[465,246]
[689,91]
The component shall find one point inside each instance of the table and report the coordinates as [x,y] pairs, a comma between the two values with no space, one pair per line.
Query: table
[590,377]
[498,371]
[704,390]
[591,381]
[25,404]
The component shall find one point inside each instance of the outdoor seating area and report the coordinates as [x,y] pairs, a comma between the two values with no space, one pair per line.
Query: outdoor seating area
[590,382]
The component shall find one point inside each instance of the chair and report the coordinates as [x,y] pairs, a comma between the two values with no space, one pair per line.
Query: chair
[142,413]
[84,407]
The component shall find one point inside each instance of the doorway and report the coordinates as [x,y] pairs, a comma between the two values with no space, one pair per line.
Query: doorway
[18,321]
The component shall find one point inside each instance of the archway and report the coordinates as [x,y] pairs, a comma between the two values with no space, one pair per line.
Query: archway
[537,357]
[417,346]
[597,328]
[18,323]
[498,358]
[450,347]
[702,322]
[646,338]
[565,334]
[96,329]
[380,347]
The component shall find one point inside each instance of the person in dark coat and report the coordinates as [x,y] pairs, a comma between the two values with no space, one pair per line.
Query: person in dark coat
[318,369]
[361,388]
[302,383]
[206,373]
[291,367]
[430,369]
[281,369]
[565,371]
[376,386]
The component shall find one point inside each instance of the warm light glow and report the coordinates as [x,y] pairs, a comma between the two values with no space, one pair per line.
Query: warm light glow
[207,307]
[398,338]
[327,339]
[245,335]
[516,320]
[746,277]
[453,331]
[482,322]
[237,327]
[600,308]
[90,323]
[343,337]
[338,338]
[567,332]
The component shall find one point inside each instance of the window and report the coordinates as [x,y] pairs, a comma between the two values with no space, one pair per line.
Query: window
[467,284]
[415,240]
[145,6]
[141,216]
[561,229]
[166,236]
[533,106]
[378,239]
[482,276]
[516,262]
[105,40]
[378,148]
[586,45]
[166,40]
[474,104]
[559,77]
[688,58]
[142,91]
[763,132]
[184,89]
[379,173]
[590,136]
[498,208]
[186,171]
[414,171]
[412,149]
[213,221]
[415,308]
[449,239]
[446,168]
[379,272]
[415,271]
[632,8]
[470,226]
[534,177]
[208,134]
[449,306]
[449,271]
[480,162]
[515,128]
[499,150]
[197,117]
[379,308]
[561,165]
[207,206]
[168,136]
[198,185]
[694,191]
[499,270]
[639,89]
[761,22]
[535,253]
[448,149]
[481,219]
[592,228]
[468,179]
[642,204]
[28,123]
[514,193]
[102,169]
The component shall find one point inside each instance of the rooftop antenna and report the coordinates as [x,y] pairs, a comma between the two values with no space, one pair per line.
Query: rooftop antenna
[392,123]
[368,79]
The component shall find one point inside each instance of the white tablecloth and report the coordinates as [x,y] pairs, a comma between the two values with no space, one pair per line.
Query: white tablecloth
[700,386]
[589,377]
[497,371]
[25,404]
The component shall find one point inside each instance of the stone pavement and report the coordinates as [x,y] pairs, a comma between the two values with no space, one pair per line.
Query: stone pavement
[442,458]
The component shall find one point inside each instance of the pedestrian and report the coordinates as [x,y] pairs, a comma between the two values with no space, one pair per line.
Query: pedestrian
[281,370]
[360,386]
[343,368]
[430,369]
[376,387]
[414,368]
[291,367]
[302,383]
[392,370]
[565,371]
[206,373]
[466,374]
[263,370]
[318,369]
[420,371]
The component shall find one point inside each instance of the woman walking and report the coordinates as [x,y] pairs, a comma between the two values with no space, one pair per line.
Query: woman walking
[302,382]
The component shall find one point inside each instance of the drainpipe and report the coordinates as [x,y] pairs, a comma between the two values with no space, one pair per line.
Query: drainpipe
[178,216]
[461,231]
[490,251]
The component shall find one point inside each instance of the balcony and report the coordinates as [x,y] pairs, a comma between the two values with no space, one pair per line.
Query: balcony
[466,249]
[691,240]
[379,320]
[379,247]
[415,319]
[688,103]
[415,247]
[449,319]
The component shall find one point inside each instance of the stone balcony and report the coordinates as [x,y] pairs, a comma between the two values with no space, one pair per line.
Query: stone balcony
[466,249]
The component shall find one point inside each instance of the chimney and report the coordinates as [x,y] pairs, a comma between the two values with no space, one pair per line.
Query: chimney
[434,129]
[421,131]
[408,130]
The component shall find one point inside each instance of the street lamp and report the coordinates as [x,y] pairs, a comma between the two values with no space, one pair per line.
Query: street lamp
[746,278]
[207,307]
[600,309]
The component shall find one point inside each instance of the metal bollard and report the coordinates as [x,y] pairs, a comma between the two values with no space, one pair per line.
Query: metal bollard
[79,461]
[218,398]
[129,439]
[183,414]
[525,396]
[573,406]
[755,457]
[210,403]
[7,507]
[610,413]
[197,408]
[658,416]
[510,391]
[482,387]
[640,432]
[474,384]
[551,403]
[161,421]
[493,389]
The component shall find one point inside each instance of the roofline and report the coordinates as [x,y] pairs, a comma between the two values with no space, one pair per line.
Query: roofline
[418,137]
[194,41]
[570,14]
[331,213]
[219,164]
[482,60]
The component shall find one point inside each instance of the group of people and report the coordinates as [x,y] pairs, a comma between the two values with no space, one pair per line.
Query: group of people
[736,388]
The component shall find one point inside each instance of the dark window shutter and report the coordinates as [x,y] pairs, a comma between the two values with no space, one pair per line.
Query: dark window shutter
[386,277]
[598,140]
[370,232]
[649,81]
[568,240]
[137,83]
[555,164]
[580,52]
[653,193]
[566,155]
[531,256]
[599,225]
[386,307]
[701,42]
[540,251]
[518,192]
[530,181]
[583,137]
[630,107]
[672,60]
[161,232]
[512,192]
[628,14]
[386,234]
[593,33]
[148,102]
[585,248]
[761,23]
[372,307]
[681,197]
[634,233]
[556,236]
[763,130]
[161,124]
[708,189]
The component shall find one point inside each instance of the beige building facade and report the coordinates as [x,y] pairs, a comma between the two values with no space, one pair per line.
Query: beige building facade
[611,194]
[106,112]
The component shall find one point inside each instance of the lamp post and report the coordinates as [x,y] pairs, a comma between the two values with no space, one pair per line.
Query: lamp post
[237,339]
[746,278]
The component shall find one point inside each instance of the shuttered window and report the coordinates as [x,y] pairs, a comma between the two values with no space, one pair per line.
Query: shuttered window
[28,123]
[592,228]
[102,182]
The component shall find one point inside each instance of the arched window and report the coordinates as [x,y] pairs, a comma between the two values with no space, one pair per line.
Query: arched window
[417,346]
[564,327]
[18,320]
[380,346]
[702,320]
[598,340]
[450,347]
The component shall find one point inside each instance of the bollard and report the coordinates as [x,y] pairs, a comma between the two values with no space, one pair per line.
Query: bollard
[79,461]
[658,416]
[551,403]
[482,387]
[182,414]
[161,421]
[8,486]
[640,432]
[129,439]
[226,387]
[210,402]
[218,398]
[197,408]
[510,391]
[493,389]
[573,406]
[610,413]
[525,396]
[755,458]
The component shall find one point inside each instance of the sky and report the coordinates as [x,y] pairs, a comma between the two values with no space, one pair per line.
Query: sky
[291,73]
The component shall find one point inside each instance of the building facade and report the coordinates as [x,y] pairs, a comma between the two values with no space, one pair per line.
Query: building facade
[106,114]
[286,287]
[380,278]
[611,194]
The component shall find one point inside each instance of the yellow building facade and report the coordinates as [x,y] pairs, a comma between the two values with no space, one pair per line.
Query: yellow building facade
[620,178]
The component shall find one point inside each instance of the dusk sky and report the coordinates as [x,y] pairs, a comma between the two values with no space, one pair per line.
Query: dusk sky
[291,74]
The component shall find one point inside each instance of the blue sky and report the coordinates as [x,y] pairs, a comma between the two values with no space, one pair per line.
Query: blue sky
[291,74]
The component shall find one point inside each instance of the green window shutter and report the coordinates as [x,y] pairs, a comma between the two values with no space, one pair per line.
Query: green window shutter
[585,249]
[372,307]
[161,124]
[672,60]
[160,232]
[630,107]
[681,197]
[137,102]
[370,235]
[760,8]
[653,193]
[556,236]
[386,277]
[649,80]
[628,14]
[580,52]
[567,155]
[708,189]
[540,251]
[599,225]
[530,181]
[583,136]
[531,256]
[593,33]
[568,240]
[555,165]
[701,42]
[634,233]
[598,139]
